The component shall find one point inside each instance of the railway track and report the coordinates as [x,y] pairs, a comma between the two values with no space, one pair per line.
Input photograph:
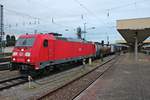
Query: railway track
[8,83]
[4,66]
[17,80]
[4,63]
[5,59]
[6,74]
[73,88]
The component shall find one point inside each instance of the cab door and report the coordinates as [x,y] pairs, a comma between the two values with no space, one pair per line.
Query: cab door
[51,49]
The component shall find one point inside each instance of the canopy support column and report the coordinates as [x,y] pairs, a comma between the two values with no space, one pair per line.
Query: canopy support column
[136,47]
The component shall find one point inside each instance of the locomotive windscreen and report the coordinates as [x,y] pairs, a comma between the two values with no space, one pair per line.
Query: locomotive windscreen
[25,42]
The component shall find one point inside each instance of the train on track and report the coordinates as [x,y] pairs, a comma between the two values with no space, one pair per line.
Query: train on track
[34,52]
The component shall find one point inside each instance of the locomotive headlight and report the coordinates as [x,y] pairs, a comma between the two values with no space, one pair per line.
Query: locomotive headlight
[28,60]
[15,53]
[22,49]
[27,54]
[13,59]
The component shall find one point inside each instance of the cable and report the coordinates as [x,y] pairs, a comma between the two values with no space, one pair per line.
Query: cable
[21,14]
[82,5]
[109,9]
[126,5]
[89,11]
[33,17]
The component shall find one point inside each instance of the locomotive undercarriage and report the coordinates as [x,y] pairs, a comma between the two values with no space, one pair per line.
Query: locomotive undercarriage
[20,66]
[23,68]
[45,67]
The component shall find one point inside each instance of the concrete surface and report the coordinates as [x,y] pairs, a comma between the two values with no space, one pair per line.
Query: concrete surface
[126,80]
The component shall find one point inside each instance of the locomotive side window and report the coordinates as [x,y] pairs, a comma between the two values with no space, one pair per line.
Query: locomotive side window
[45,43]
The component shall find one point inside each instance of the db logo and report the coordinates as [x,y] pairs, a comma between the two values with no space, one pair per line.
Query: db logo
[21,54]
[80,49]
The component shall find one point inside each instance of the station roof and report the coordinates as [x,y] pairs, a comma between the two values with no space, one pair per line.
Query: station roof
[128,28]
[146,42]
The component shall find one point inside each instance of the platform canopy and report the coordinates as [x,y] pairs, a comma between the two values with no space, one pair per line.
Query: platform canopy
[131,28]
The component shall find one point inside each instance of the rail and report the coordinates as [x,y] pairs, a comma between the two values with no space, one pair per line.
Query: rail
[71,82]
[8,83]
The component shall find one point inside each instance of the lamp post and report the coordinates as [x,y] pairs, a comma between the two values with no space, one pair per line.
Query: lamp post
[85,30]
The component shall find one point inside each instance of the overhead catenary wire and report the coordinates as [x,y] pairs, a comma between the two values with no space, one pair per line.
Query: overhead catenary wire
[81,4]
[88,10]
[108,10]
[20,14]
[35,18]
[126,5]
[134,3]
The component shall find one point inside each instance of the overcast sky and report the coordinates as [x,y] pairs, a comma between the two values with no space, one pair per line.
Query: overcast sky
[21,16]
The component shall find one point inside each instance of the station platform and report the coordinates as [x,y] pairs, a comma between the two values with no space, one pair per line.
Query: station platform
[127,79]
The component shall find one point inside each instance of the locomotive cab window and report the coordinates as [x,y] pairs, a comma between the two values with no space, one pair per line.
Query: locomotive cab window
[25,42]
[45,43]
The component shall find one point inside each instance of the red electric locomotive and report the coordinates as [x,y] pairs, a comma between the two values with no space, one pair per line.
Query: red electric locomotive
[39,51]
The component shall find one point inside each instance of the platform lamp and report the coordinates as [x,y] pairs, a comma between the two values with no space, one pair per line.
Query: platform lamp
[85,30]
